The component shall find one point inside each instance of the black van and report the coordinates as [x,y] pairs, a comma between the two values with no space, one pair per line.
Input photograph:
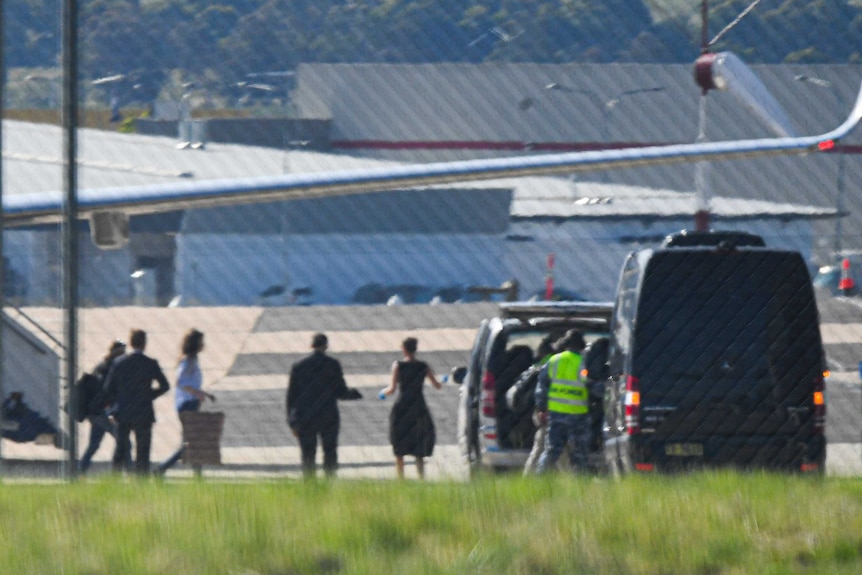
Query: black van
[715,359]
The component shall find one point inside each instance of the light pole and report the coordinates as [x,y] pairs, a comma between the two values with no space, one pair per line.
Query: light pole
[114,98]
[603,103]
[606,105]
[274,76]
[839,181]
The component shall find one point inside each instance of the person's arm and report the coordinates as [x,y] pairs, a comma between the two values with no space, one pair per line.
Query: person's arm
[291,398]
[432,378]
[198,394]
[160,378]
[109,385]
[542,388]
[393,381]
[344,392]
[187,380]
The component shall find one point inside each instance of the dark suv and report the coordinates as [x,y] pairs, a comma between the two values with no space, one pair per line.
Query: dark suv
[490,434]
[715,359]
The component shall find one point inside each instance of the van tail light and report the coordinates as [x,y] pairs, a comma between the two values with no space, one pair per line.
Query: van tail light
[633,405]
[819,406]
[489,384]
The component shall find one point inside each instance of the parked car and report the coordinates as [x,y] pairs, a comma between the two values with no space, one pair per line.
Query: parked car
[715,360]
[839,279]
[490,434]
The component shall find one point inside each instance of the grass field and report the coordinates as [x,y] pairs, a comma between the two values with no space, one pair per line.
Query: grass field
[708,524]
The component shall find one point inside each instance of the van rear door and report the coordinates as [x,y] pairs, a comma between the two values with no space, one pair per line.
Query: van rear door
[727,353]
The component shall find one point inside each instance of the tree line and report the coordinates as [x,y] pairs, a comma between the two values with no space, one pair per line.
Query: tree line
[153,43]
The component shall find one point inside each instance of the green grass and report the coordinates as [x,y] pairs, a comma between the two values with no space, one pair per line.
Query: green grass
[716,523]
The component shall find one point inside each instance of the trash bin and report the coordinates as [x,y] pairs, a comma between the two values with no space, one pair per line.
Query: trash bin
[202,432]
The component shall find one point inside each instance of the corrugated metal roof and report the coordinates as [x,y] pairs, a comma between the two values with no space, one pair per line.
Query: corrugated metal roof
[556,102]
[568,199]
[33,159]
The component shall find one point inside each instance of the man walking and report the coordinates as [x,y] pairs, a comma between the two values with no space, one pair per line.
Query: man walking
[129,384]
[562,399]
[316,383]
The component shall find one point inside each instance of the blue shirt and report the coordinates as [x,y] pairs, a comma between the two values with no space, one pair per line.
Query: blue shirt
[188,375]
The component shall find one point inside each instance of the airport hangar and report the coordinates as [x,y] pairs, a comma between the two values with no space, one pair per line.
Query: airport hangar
[476,234]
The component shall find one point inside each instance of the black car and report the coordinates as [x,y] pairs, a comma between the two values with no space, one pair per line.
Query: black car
[490,434]
[715,360]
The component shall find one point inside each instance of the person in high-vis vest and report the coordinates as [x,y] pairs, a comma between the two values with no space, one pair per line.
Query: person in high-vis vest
[562,399]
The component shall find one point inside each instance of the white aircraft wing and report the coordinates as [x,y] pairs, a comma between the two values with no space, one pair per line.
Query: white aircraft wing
[33,208]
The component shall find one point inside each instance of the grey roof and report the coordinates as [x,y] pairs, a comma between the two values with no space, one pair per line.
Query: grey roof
[435,112]
[33,159]
[566,199]
[588,102]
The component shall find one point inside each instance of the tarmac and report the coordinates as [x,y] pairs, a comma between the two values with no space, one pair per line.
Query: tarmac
[247,357]
[246,361]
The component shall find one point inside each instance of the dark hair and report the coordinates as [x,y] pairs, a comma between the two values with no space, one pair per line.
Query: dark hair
[572,340]
[138,339]
[193,343]
[117,347]
[546,346]
[319,341]
[410,344]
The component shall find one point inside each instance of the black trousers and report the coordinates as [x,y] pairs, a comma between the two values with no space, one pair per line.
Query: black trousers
[327,429]
[143,439]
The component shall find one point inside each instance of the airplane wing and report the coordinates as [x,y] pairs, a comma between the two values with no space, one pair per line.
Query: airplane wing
[23,209]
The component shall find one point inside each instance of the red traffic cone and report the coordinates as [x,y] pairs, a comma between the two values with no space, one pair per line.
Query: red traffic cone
[846,283]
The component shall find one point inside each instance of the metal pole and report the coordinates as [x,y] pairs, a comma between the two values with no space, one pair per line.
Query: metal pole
[70,217]
[838,242]
[2,213]
[839,202]
[701,176]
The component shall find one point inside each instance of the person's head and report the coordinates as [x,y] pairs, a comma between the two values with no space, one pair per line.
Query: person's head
[193,343]
[116,349]
[138,339]
[573,340]
[546,346]
[319,342]
[410,345]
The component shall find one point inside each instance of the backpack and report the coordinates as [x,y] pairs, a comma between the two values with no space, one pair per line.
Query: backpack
[520,396]
[87,386]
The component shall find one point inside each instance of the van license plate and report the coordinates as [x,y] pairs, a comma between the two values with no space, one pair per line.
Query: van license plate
[684,449]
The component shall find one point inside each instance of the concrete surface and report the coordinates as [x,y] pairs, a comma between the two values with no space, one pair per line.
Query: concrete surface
[249,352]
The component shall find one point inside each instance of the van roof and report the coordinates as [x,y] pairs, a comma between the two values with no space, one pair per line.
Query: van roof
[556,310]
[729,239]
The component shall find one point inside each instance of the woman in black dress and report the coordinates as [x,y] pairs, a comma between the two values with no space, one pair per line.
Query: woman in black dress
[411,429]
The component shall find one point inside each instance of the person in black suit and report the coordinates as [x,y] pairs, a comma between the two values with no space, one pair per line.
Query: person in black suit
[129,385]
[316,383]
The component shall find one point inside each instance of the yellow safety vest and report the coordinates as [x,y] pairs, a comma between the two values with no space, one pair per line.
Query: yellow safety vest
[568,393]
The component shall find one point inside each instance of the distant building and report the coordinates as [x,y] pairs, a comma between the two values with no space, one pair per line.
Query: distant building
[329,250]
